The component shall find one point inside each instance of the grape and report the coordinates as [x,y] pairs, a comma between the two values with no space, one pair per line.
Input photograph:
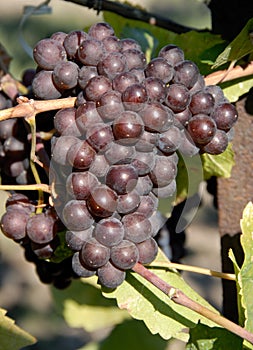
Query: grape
[14,148]
[45,250]
[76,239]
[144,185]
[156,89]
[166,191]
[164,171]
[61,147]
[156,117]
[134,59]
[201,102]
[80,155]
[85,74]
[93,254]
[59,36]
[157,221]
[121,178]
[65,122]
[65,75]
[123,81]
[148,250]
[129,202]
[109,231]
[13,223]
[100,31]
[119,154]
[137,227]
[199,85]
[79,184]
[99,166]
[99,136]
[90,52]
[129,43]
[124,255]
[147,141]
[216,92]
[225,116]
[48,52]
[112,44]
[96,87]
[43,86]
[87,115]
[182,118]
[144,162]
[187,147]
[102,201]
[160,68]
[218,144]
[40,228]
[201,128]
[172,53]
[76,215]
[148,205]
[128,127]
[110,105]
[79,268]
[177,97]
[169,141]
[134,97]
[18,201]
[139,74]
[15,168]
[112,64]
[186,73]
[72,42]
[8,127]
[110,276]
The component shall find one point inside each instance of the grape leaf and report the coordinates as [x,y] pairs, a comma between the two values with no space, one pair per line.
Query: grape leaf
[11,336]
[138,337]
[236,88]
[218,165]
[241,46]
[198,46]
[62,251]
[92,318]
[246,273]
[161,315]
[203,337]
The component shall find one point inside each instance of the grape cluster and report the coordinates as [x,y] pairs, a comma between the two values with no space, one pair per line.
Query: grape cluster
[14,149]
[115,152]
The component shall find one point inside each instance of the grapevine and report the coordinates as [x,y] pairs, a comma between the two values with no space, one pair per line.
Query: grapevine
[105,129]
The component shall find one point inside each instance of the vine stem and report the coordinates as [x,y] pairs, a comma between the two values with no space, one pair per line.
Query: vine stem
[178,297]
[196,269]
[229,74]
[32,187]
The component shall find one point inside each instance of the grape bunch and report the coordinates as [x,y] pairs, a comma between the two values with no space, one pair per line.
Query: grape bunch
[115,152]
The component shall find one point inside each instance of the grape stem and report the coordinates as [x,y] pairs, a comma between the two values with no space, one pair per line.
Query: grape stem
[229,74]
[195,269]
[33,187]
[178,297]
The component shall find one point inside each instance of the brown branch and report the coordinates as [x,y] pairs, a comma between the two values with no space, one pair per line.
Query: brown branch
[132,12]
[178,297]
[225,75]
[27,108]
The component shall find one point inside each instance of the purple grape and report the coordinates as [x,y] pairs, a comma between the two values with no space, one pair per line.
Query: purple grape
[166,191]
[65,122]
[102,201]
[99,136]
[65,75]
[76,239]
[112,44]
[137,227]
[134,97]
[99,166]
[59,36]
[85,74]
[186,73]
[80,155]
[79,268]
[117,153]
[128,127]
[201,102]
[112,64]
[177,97]
[100,30]
[109,231]
[129,43]
[144,162]
[72,42]
[172,53]
[128,203]
[121,178]
[160,68]
[80,184]
[96,87]
[135,59]
[48,52]
[156,89]
[40,228]
[13,224]
[110,105]
[124,255]
[61,147]
[156,117]
[90,52]
[169,141]
[94,254]
[110,276]
[148,205]
[87,115]
[43,86]
[148,250]
[164,171]
[76,215]
[201,128]
[218,144]
[225,116]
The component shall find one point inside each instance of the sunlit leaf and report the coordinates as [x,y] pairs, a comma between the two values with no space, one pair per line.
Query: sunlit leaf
[11,336]
[218,165]
[236,88]
[241,46]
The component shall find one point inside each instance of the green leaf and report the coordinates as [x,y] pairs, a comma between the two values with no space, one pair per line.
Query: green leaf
[161,315]
[11,336]
[241,46]
[138,337]
[62,251]
[236,88]
[92,318]
[203,337]
[198,46]
[241,311]
[246,273]
[218,165]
